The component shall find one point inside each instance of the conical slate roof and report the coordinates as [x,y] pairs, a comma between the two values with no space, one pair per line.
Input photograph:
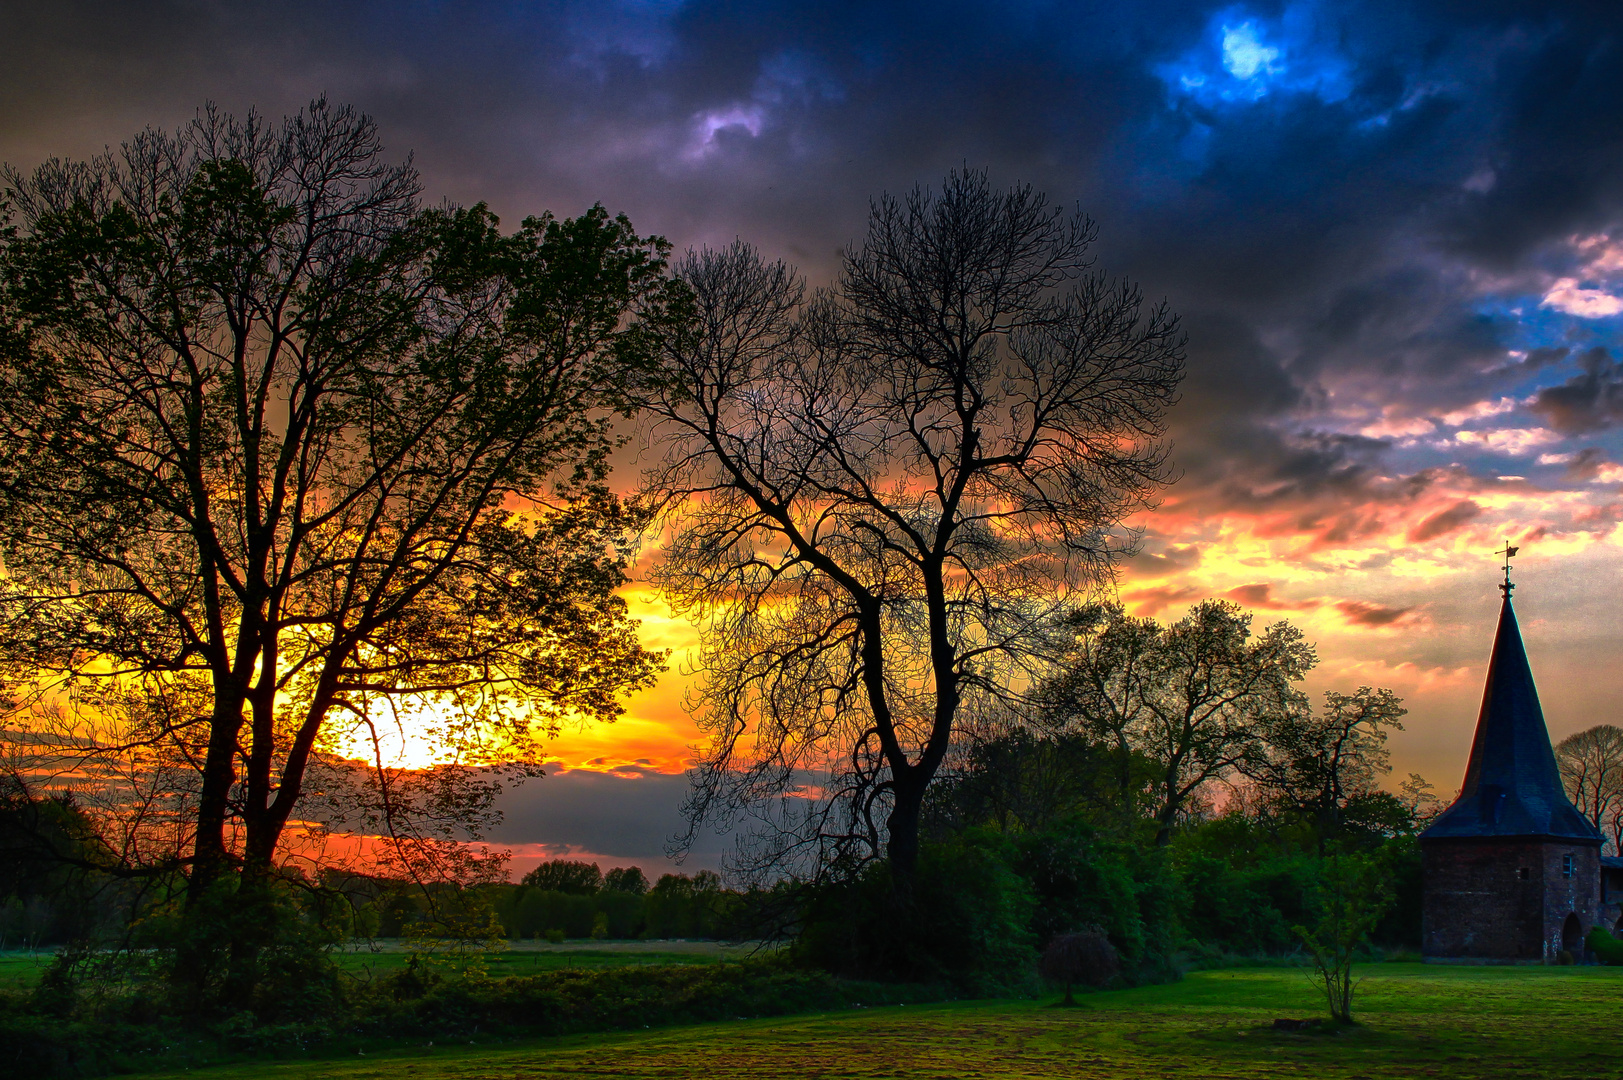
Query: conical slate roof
[1512,787]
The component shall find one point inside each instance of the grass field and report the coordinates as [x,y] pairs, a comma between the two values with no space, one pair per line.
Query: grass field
[529,958]
[1549,1023]
[21,969]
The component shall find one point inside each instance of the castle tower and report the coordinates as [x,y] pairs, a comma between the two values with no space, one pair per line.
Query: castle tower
[1511,871]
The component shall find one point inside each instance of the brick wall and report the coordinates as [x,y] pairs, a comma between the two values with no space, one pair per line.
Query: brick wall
[1505,900]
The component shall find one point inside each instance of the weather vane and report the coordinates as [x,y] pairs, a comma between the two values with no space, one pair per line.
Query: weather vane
[1509,552]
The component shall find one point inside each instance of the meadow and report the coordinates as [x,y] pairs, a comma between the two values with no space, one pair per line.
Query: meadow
[1416,1021]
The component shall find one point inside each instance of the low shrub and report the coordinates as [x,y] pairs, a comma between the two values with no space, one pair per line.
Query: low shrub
[577,1000]
[1086,957]
[1607,949]
[426,1002]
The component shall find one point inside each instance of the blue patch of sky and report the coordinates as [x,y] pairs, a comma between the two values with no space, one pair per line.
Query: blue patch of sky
[1243,58]
[1526,323]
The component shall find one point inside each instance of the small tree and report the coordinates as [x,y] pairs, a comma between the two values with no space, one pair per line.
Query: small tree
[1086,957]
[1353,893]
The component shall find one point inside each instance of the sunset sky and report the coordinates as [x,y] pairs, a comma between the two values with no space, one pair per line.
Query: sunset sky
[1394,232]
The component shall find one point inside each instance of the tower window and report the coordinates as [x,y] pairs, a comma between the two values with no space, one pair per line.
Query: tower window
[1566,866]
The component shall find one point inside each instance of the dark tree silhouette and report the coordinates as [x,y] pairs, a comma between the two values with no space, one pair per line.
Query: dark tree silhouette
[1591,763]
[878,496]
[1318,765]
[626,879]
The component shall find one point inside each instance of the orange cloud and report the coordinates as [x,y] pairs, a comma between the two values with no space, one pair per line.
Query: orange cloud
[1148,603]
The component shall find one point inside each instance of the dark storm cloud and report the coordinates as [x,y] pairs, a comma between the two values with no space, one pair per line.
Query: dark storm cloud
[1363,613]
[1446,521]
[1261,595]
[1153,601]
[1171,559]
[626,815]
[1589,401]
[1586,464]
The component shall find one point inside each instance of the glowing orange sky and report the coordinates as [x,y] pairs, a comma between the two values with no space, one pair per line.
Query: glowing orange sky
[1387,603]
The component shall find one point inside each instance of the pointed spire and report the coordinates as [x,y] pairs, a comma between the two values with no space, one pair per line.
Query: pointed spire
[1512,786]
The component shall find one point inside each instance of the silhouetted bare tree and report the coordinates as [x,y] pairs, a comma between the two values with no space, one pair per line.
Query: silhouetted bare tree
[1591,764]
[879,496]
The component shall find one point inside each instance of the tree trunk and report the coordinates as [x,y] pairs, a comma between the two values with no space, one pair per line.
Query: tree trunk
[1163,832]
[902,848]
[209,855]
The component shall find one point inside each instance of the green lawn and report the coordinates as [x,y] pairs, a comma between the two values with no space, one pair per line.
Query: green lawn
[1418,1021]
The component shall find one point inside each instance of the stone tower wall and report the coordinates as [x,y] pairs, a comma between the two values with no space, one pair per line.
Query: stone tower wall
[1505,901]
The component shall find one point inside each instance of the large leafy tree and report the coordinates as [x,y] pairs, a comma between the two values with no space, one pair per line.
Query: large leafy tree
[285,457]
[880,494]
[1198,698]
[1323,766]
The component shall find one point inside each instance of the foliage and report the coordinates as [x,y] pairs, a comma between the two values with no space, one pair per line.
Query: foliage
[292,465]
[54,884]
[1353,894]
[260,949]
[963,918]
[1009,777]
[1080,880]
[1083,957]
[1322,766]
[568,1001]
[877,496]
[1607,949]
[679,906]
[1196,697]
[626,879]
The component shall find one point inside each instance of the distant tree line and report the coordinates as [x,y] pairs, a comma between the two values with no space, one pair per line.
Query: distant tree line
[565,899]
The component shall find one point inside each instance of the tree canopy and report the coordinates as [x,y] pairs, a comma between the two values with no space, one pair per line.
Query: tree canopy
[1198,698]
[287,462]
